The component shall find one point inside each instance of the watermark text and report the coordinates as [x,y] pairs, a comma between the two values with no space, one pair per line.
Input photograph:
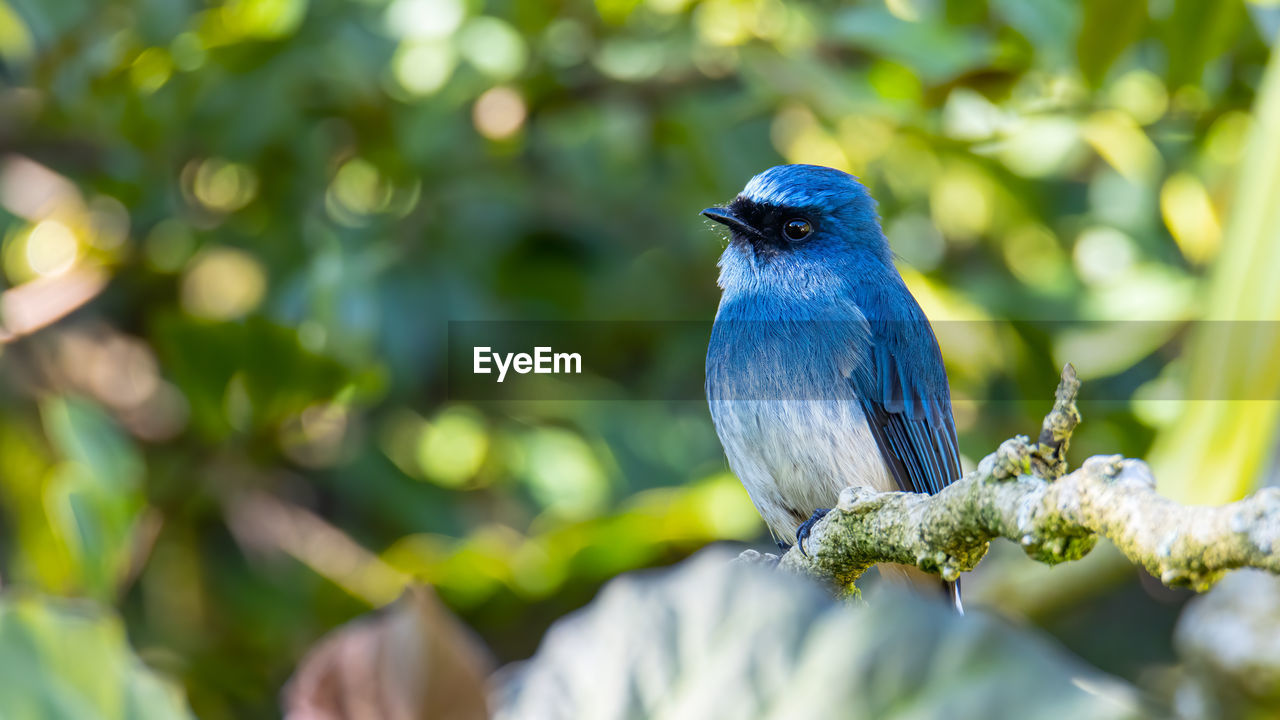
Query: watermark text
[543,361]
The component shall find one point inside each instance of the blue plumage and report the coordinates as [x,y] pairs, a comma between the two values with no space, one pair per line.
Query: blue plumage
[822,371]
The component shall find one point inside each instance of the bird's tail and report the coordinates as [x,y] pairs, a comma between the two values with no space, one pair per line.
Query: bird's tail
[952,591]
[922,582]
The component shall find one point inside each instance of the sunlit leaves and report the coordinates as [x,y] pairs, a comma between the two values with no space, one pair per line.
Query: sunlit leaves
[422,68]
[263,19]
[358,189]
[452,447]
[16,44]
[1141,94]
[1232,359]
[1122,143]
[222,284]
[1189,213]
[493,558]
[220,186]
[800,138]
[494,47]
[424,19]
[151,70]
[563,473]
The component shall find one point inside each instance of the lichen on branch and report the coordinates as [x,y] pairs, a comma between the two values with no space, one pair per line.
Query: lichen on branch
[1023,492]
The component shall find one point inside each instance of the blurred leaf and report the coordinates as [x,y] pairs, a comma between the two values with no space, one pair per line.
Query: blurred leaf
[1199,32]
[411,661]
[15,40]
[94,497]
[1093,347]
[1267,18]
[1109,28]
[87,436]
[243,375]
[1049,24]
[932,49]
[263,19]
[713,639]
[1218,450]
[1230,639]
[47,18]
[63,660]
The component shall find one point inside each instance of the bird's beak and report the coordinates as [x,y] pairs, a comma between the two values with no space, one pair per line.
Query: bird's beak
[726,217]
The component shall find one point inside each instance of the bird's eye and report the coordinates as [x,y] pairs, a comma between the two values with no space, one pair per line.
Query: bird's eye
[797,229]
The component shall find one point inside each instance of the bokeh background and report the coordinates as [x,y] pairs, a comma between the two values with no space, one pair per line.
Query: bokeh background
[234,235]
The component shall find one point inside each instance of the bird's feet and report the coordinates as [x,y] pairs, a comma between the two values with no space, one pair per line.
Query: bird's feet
[802,533]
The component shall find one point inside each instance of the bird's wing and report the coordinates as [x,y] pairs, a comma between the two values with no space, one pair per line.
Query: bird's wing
[904,395]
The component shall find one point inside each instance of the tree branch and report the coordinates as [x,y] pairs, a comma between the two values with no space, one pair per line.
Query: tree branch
[1023,492]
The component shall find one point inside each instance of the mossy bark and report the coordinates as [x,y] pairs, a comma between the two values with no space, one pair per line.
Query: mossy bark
[1023,492]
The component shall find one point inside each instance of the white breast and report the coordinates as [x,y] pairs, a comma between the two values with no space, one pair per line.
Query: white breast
[794,456]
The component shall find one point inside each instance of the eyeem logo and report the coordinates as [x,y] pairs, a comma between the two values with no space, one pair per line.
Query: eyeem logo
[543,362]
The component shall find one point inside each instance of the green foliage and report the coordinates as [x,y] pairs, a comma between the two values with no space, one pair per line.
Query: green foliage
[1108,29]
[93,496]
[64,660]
[232,235]
[1217,451]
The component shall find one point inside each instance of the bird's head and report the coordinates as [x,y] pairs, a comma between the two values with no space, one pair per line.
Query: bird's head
[793,218]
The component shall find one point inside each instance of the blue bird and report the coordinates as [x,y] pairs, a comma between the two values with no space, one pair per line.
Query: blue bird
[822,370]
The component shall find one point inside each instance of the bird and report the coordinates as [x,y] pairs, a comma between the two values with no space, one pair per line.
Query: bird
[822,370]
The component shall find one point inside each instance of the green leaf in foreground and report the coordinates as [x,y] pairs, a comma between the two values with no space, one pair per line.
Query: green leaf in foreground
[713,639]
[70,660]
